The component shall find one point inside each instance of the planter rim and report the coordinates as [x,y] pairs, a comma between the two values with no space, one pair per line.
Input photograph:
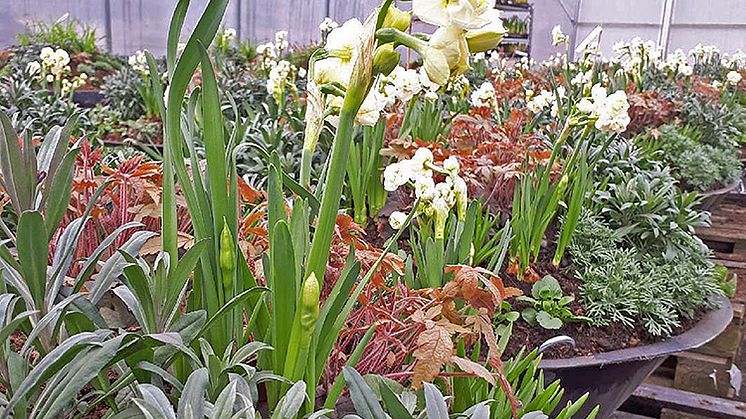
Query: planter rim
[721,191]
[708,328]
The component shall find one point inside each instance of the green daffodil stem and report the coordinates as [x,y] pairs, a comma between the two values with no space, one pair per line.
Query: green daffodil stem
[396,36]
[322,237]
[358,88]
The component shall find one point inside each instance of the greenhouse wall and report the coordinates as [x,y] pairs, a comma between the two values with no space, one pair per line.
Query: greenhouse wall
[128,25]
[677,23]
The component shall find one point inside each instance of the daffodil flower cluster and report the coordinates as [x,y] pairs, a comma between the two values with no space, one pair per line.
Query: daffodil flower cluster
[677,63]
[485,96]
[77,82]
[737,61]
[436,200]
[733,77]
[55,62]
[53,68]
[139,62]
[270,52]
[547,100]
[282,77]
[608,111]
[636,55]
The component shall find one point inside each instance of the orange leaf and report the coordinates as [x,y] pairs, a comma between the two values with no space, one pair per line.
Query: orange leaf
[472,367]
[434,350]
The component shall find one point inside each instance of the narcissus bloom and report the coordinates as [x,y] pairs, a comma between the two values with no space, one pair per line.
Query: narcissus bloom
[487,37]
[733,77]
[343,45]
[465,14]
[397,220]
[447,55]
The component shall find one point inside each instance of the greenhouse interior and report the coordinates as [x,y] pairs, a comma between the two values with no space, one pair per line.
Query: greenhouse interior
[372,209]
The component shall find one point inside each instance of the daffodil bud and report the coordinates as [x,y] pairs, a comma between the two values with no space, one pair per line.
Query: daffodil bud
[462,197]
[227,255]
[385,59]
[309,303]
[397,19]
[564,181]
[441,212]
[487,37]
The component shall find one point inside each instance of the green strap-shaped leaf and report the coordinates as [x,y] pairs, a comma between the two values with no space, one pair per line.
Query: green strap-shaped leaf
[363,398]
[192,400]
[33,254]
[17,182]
[284,291]
[435,404]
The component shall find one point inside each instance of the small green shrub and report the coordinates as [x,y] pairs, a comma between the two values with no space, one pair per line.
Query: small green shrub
[641,201]
[694,162]
[121,92]
[68,34]
[548,305]
[628,286]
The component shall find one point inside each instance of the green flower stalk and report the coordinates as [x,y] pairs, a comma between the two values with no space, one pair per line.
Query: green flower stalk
[358,88]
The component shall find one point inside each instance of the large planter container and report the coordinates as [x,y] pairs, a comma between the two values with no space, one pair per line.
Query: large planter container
[712,199]
[88,98]
[611,377]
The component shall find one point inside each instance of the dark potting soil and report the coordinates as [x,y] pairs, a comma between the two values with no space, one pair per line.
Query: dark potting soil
[588,339]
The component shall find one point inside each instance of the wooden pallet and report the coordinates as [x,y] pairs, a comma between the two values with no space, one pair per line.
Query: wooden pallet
[705,370]
[694,377]
[727,234]
[679,404]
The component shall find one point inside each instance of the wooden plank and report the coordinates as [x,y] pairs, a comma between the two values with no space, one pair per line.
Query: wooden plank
[728,343]
[675,414]
[703,374]
[626,415]
[687,402]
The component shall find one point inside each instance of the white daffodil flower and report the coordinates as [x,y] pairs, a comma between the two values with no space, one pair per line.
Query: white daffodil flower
[488,36]
[733,77]
[370,111]
[420,161]
[407,83]
[465,14]
[397,220]
[558,37]
[485,96]
[451,165]
[343,44]
[447,54]
[396,175]
[424,188]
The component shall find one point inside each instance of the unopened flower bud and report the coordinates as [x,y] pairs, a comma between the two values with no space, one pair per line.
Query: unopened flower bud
[227,255]
[397,19]
[385,59]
